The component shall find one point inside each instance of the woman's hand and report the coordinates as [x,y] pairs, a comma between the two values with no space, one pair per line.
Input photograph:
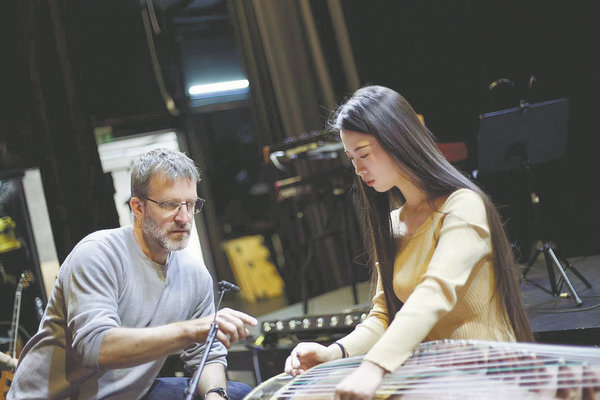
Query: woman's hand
[361,384]
[307,355]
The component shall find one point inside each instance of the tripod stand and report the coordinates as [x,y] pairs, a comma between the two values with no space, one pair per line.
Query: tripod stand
[326,228]
[552,260]
[315,197]
[547,248]
[516,138]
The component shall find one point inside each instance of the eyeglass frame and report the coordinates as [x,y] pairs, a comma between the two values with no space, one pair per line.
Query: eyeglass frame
[163,205]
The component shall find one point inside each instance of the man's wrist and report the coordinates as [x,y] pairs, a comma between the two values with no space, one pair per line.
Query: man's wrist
[216,393]
[184,333]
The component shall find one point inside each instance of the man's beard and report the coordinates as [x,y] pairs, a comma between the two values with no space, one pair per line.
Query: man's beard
[154,234]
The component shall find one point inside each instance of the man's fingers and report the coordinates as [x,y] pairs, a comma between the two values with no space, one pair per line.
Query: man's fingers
[231,330]
[246,319]
[223,338]
[233,326]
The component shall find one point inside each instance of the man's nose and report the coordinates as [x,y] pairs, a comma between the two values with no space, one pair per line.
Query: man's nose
[182,216]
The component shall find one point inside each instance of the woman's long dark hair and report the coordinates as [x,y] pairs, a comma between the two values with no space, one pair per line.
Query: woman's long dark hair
[386,115]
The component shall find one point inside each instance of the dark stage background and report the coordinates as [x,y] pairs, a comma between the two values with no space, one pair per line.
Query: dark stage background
[72,66]
[443,56]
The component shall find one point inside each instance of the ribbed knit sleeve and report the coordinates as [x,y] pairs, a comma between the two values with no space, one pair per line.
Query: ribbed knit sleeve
[463,244]
[370,330]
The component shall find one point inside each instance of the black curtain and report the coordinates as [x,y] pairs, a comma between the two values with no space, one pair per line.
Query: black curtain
[292,60]
[299,63]
[46,126]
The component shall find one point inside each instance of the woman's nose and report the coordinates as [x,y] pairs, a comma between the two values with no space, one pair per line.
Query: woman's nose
[359,170]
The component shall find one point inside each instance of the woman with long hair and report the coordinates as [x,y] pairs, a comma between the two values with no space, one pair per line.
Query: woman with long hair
[443,263]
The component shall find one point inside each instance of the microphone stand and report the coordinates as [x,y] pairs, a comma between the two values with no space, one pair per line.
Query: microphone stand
[192,389]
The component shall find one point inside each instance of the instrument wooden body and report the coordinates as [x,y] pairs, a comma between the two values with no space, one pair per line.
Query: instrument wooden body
[14,348]
[453,369]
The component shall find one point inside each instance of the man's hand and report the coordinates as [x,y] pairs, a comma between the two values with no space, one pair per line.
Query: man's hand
[307,355]
[232,326]
[127,347]
[7,362]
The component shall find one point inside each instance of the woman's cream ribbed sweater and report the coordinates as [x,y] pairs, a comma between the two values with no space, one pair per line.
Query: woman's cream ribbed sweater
[444,275]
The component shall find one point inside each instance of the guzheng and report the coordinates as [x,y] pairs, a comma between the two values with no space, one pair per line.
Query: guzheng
[453,369]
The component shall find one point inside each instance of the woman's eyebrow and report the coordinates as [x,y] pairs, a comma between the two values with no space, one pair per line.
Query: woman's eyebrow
[359,147]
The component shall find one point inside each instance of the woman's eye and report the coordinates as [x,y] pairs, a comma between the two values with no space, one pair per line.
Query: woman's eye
[365,156]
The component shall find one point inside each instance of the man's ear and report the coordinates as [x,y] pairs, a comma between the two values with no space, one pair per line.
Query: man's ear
[136,206]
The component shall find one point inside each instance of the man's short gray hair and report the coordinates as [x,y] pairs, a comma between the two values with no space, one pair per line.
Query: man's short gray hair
[173,164]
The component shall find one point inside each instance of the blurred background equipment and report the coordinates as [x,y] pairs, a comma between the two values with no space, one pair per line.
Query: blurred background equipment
[255,274]
[26,274]
[8,240]
[318,223]
[21,266]
[17,336]
[325,327]
[517,139]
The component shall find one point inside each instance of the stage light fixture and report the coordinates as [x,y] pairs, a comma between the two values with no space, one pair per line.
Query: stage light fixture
[219,88]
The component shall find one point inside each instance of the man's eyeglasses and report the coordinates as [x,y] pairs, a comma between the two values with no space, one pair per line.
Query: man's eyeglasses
[173,207]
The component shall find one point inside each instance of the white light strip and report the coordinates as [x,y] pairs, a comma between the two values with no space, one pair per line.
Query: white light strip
[219,87]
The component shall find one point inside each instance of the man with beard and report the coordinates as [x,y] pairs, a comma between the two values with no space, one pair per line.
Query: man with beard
[127,298]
